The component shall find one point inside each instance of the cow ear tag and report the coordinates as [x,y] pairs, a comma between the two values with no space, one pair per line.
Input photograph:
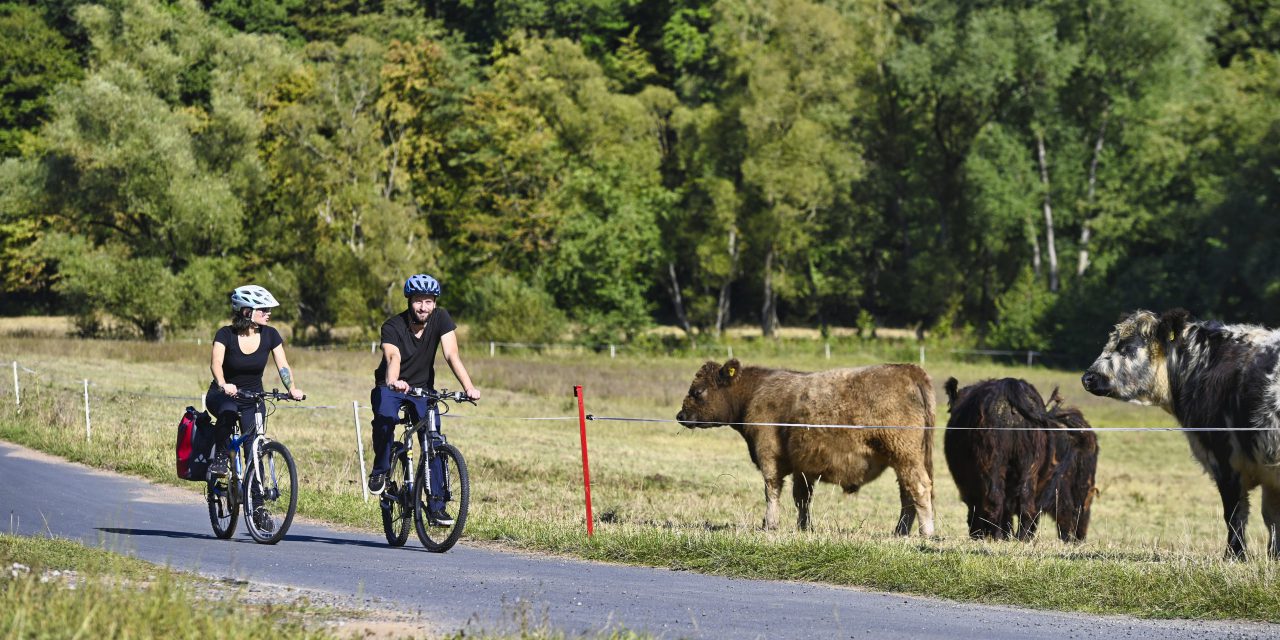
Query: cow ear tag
[732,371]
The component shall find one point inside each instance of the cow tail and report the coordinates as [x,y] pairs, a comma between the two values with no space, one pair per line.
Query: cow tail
[925,386]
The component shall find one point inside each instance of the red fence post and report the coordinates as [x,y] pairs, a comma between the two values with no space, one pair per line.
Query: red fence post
[586,472]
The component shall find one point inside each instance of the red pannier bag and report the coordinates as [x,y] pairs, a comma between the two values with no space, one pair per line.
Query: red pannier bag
[195,444]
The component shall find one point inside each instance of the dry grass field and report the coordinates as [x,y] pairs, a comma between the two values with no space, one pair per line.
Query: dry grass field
[669,496]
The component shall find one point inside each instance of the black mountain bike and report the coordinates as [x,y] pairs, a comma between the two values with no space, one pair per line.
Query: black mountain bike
[263,480]
[409,491]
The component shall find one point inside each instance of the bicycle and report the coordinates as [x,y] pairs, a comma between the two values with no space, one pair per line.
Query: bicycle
[265,488]
[408,487]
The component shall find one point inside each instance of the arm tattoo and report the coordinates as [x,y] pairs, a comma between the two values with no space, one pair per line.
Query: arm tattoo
[286,377]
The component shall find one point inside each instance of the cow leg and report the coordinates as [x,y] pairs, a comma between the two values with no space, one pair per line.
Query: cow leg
[1029,512]
[990,512]
[772,488]
[977,530]
[1271,516]
[915,489]
[1235,509]
[802,491]
[907,516]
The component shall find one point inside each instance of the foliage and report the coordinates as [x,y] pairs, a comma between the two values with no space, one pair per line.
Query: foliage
[503,308]
[694,162]
[1022,316]
[36,60]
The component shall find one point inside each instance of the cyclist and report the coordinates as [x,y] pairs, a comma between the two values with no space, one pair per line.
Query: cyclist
[239,357]
[409,342]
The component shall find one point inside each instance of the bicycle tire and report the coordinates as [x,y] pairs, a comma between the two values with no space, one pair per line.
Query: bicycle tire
[456,494]
[397,501]
[224,509]
[270,504]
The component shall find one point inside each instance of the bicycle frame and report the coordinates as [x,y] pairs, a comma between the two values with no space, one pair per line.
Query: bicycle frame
[237,456]
[429,426]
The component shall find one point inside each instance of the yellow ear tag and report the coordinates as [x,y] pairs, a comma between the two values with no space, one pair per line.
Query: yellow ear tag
[732,371]
[1172,335]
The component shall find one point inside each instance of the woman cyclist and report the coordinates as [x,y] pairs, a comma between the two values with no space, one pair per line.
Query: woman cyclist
[238,360]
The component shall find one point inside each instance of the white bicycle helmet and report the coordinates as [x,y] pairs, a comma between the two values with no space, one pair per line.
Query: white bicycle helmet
[253,297]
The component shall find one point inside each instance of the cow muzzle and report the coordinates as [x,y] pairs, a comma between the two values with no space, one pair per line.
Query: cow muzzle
[1096,383]
[685,419]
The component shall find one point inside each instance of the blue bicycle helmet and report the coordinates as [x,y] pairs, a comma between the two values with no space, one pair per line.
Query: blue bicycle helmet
[422,284]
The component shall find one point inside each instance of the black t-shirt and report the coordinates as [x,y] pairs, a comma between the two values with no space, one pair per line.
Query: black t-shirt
[244,370]
[417,355]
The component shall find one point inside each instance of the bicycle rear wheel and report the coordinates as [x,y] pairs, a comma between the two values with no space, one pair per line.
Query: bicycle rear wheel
[271,496]
[223,507]
[397,501]
[454,494]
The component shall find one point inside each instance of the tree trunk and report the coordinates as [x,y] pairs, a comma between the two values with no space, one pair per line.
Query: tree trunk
[1048,214]
[1085,231]
[677,300]
[1035,247]
[722,305]
[769,310]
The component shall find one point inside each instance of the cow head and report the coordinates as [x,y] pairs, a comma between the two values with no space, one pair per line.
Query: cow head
[709,402]
[1132,366]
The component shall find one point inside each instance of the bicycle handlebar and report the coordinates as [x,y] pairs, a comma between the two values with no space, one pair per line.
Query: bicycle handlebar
[274,394]
[442,394]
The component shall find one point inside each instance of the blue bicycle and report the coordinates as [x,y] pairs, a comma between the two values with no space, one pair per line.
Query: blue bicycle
[263,480]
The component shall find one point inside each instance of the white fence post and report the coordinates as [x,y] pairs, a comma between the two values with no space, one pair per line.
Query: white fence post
[490,348]
[730,353]
[355,411]
[613,353]
[922,355]
[373,346]
[88,432]
[17,399]
[1030,357]
[828,350]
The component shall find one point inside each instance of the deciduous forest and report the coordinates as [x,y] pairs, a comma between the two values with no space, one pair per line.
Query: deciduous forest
[1014,172]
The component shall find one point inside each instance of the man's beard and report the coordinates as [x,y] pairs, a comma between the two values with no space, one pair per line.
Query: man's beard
[420,318]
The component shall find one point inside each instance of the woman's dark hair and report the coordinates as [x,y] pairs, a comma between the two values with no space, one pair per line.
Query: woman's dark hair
[240,322]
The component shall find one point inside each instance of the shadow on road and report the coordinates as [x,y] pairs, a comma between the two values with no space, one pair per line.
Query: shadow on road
[209,536]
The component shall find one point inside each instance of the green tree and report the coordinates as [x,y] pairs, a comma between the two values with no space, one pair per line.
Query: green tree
[336,157]
[36,59]
[144,168]
[796,69]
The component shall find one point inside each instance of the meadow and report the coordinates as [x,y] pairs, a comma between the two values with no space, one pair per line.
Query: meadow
[671,497]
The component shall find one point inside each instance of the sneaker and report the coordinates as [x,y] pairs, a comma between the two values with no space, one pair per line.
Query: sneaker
[440,517]
[220,466]
[377,482]
[263,521]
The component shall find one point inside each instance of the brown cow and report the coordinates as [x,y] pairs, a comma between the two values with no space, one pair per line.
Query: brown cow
[882,395]
[1011,455]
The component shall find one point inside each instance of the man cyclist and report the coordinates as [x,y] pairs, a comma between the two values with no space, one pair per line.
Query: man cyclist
[409,342]
[238,359]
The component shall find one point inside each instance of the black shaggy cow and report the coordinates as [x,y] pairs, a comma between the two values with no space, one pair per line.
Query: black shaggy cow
[1011,455]
[1209,376]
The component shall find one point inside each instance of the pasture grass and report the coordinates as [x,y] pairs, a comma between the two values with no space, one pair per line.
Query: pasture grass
[52,588]
[671,497]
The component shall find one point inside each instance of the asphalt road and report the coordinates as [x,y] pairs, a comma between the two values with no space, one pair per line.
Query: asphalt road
[483,589]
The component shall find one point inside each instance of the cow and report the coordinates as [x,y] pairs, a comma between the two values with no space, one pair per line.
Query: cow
[1011,454]
[898,395]
[1211,376]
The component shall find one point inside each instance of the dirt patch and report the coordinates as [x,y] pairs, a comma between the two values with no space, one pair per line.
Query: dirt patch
[342,615]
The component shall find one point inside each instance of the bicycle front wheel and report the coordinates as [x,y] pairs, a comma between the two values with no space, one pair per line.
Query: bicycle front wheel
[271,493]
[440,513]
[397,500]
[223,507]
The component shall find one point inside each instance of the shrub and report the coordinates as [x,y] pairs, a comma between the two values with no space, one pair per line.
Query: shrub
[504,308]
